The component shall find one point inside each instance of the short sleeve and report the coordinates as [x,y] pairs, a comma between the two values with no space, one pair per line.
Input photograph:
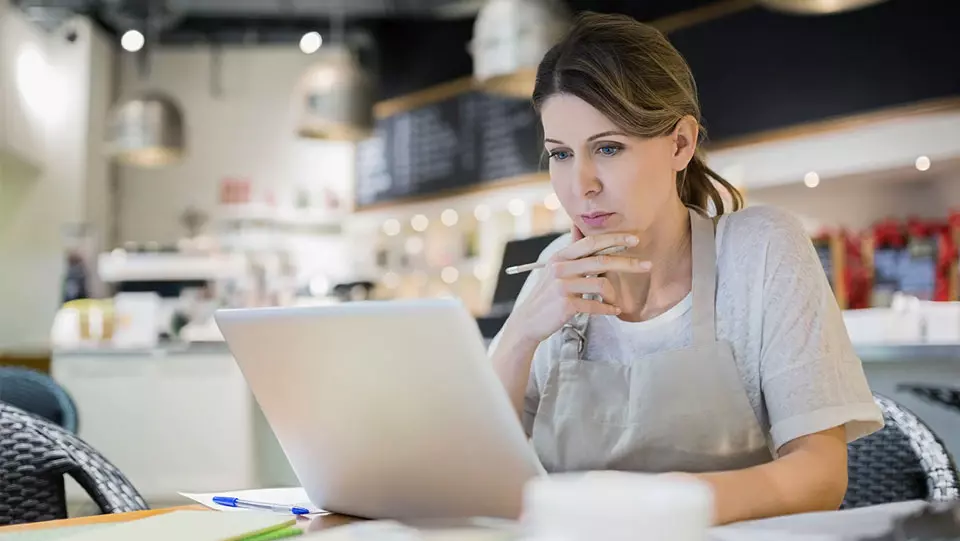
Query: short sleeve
[531,400]
[811,377]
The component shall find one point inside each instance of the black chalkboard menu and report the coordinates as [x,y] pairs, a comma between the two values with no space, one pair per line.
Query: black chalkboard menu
[460,142]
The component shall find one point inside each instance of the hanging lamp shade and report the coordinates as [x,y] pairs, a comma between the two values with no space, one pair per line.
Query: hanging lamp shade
[817,7]
[336,97]
[146,131]
[510,38]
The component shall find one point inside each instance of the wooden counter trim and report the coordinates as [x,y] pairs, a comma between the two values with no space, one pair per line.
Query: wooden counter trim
[97,519]
[933,106]
[671,23]
[702,14]
[423,97]
[313,524]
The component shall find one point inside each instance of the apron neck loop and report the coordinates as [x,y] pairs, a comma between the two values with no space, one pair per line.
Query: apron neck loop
[704,287]
[704,283]
[574,336]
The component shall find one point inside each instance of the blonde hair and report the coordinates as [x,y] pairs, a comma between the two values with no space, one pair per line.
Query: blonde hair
[629,72]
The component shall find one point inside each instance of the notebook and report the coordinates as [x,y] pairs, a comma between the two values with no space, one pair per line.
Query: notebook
[195,526]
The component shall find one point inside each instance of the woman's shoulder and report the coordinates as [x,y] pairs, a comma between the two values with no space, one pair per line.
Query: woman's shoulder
[763,218]
[761,227]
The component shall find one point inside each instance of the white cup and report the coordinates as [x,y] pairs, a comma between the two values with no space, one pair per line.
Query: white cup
[617,506]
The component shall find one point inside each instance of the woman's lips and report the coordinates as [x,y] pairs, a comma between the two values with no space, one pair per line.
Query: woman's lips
[596,219]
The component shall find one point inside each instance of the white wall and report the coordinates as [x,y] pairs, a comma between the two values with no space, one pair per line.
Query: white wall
[857,202]
[870,145]
[99,203]
[33,212]
[248,132]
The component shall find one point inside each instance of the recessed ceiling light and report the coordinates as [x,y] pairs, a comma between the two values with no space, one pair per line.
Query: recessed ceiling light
[132,40]
[311,42]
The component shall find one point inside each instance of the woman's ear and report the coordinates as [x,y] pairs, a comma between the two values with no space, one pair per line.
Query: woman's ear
[684,136]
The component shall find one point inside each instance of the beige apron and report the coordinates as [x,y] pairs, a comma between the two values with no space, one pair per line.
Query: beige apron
[679,410]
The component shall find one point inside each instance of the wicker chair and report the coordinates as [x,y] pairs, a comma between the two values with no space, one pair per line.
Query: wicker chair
[37,393]
[35,454]
[943,396]
[903,461]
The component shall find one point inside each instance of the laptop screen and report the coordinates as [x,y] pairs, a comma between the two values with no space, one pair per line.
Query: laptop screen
[516,252]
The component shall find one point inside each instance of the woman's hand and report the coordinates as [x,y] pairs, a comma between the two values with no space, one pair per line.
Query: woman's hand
[571,273]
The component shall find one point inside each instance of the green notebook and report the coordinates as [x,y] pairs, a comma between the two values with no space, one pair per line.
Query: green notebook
[195,526]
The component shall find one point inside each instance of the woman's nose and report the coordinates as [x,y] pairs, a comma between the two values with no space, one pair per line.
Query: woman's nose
[588,185]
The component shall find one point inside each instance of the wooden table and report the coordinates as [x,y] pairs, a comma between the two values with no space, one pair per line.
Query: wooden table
[314,524]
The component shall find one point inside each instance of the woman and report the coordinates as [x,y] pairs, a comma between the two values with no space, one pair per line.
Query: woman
[715,347]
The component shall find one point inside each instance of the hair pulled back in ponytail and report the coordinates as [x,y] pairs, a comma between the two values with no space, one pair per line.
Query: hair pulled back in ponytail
[629,72]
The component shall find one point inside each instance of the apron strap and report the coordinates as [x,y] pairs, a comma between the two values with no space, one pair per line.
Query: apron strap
[704,283]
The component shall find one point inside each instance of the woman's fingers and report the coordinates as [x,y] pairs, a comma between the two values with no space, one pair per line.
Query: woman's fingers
[595,285]
[576,233]
[599,264]
[591,245]
[589,306]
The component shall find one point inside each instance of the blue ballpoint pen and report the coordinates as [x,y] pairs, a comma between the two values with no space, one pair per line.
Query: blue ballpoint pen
[229,501]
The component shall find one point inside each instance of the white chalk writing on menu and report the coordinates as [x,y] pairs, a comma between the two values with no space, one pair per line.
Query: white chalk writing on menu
[462,141]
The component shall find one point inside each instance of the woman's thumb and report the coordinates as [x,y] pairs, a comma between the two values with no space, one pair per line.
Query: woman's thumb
[575,231]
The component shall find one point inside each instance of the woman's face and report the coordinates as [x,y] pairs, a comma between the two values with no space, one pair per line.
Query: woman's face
[606,180]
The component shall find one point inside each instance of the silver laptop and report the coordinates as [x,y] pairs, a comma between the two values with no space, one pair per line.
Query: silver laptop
[385,409]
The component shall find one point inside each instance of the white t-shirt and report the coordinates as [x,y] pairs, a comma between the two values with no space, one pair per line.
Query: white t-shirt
[775,306]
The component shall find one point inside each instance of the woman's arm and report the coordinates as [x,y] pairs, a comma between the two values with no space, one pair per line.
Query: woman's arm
[511,358]
[814,391]
[810,475]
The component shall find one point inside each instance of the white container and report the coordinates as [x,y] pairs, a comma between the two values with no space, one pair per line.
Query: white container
[901,325]
[617,506]
[137,317]
[941,321]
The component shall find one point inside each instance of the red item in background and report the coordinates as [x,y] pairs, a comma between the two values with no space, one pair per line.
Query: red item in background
[953,226]
[889,234]
[856,275]
[945,288]
[234,191]
[831,250]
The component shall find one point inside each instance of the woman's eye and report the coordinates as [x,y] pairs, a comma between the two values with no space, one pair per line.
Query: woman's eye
[560,154]
[608,150]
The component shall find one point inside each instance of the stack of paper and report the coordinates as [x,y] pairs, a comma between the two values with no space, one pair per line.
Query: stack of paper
[279,496]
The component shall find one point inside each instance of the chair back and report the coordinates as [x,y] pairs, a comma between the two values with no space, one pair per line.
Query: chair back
[902,461]
[35,454]
[39,394]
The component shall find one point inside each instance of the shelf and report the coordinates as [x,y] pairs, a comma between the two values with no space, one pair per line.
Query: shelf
[260,214]
[124,267]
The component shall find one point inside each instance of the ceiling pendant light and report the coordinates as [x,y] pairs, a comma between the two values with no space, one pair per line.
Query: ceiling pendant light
[146,131]
[817,7]
[336,97]
[510,38]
